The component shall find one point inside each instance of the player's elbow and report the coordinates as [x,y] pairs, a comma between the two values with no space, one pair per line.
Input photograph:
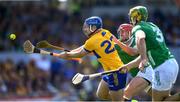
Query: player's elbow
[133,53]
[141,41]
[63,56]
[77,55]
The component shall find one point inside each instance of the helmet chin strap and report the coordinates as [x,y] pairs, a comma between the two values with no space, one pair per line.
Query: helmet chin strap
[134,21]
[129,33]
[90,28]
[130,39]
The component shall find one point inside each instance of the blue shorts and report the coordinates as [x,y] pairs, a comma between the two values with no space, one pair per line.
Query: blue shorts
[116,81]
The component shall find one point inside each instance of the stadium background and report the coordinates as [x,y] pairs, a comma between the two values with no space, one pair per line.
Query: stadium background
[35,77]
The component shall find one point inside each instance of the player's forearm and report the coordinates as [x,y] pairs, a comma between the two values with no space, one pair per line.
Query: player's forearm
[64,55]
[129,50]
[55,55]
[134,63]
[71,54]
[77,49]
[43,52]
[141,44]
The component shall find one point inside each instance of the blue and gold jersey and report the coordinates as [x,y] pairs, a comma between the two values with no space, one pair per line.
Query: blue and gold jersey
[102,45]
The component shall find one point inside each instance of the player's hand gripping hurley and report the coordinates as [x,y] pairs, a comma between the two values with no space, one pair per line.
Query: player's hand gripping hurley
[30,48]
[79,78]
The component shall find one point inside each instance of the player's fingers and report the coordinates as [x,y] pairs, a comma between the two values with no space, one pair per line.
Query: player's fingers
[141,66]
[115,39]
[123,70]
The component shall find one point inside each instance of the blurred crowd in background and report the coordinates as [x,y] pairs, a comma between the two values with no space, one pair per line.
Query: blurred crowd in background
[47,22]
[50,77]
[42,77]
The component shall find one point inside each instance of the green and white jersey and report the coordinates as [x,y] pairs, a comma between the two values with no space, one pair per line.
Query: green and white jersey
[125,58]
[157,50]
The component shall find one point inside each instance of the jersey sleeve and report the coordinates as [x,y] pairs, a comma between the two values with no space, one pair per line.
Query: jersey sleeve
[140,34]
[89,46]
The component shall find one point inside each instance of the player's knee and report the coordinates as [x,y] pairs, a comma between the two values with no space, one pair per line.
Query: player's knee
[127,94]
[101,96]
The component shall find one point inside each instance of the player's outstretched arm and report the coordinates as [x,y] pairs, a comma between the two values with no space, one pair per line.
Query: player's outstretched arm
[141,45]
[77,49]
[72,54]
[129,50]
[30,48]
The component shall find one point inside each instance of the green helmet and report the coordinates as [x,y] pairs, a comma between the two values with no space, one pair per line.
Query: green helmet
[137,14]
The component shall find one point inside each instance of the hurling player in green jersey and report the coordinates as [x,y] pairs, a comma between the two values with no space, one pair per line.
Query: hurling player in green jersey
[124,35]
[128,52]
[154,52]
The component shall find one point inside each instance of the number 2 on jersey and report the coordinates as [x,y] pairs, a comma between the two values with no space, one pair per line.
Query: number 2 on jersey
[108,48]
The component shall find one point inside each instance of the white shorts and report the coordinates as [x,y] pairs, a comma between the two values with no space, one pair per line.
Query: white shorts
[147,73]
[165,75]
